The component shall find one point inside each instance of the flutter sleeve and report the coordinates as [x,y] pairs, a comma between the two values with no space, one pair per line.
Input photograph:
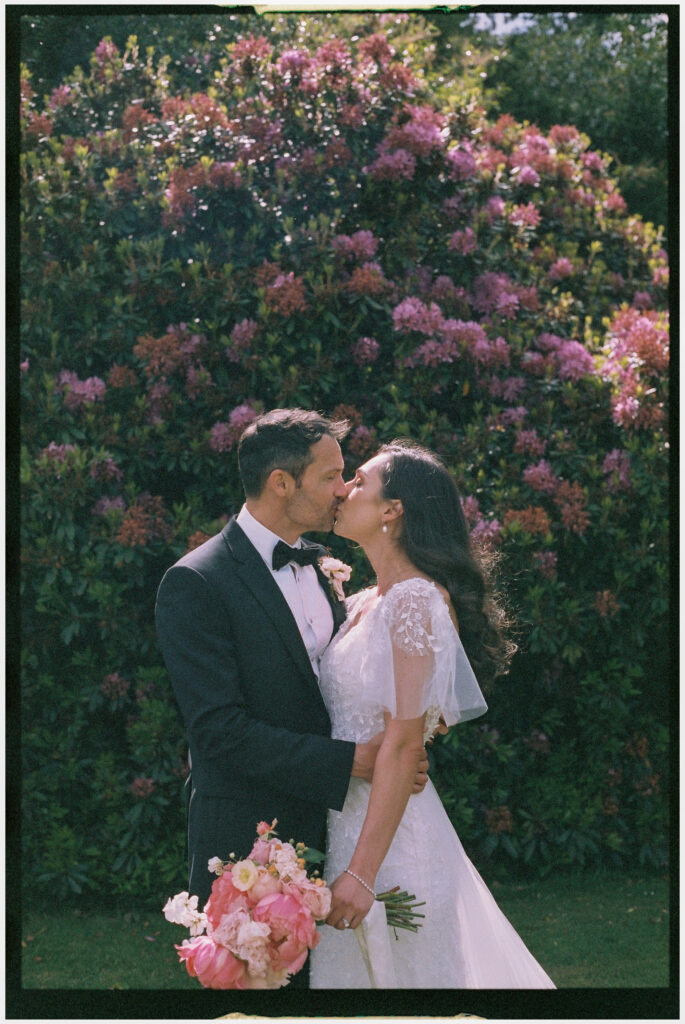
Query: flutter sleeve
[415,663]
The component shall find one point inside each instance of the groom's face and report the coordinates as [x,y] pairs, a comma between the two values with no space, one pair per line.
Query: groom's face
[312,505]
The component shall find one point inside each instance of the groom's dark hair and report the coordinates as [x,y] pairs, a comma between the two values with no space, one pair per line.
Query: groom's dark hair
[282,439]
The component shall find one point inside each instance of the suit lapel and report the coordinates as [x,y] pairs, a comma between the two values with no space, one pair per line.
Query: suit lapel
[254,574]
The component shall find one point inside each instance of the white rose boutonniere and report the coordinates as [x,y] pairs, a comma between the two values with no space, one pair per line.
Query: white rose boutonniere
[337,573]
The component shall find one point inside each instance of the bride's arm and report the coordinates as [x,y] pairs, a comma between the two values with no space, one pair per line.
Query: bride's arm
[393,780]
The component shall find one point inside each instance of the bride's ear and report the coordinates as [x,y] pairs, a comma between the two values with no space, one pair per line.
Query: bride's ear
[393,511]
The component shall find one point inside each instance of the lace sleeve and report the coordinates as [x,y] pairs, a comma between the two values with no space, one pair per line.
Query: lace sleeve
[416,663]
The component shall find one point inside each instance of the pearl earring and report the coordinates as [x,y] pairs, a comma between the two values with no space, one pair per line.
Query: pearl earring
[384,528]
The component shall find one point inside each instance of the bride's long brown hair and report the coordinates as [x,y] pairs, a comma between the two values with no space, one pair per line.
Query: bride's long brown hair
[435,537]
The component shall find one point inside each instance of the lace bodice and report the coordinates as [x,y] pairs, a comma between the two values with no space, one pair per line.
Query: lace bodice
[397,653]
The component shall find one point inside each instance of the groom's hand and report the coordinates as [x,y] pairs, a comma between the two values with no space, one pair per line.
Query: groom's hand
[365,760]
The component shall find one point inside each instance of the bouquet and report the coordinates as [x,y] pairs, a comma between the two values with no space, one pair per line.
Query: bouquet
[259,922]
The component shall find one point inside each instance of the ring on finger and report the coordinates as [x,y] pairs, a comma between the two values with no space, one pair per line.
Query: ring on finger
[345,922]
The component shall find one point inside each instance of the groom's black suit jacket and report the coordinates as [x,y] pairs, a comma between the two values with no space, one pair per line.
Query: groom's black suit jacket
[258,730]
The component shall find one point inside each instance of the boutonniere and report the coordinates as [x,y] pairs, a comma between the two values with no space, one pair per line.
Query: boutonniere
[337,573]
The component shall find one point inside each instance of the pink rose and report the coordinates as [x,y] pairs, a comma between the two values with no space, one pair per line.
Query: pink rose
[263,828]
[266,885]
[224,899]
[261,852]
[212,965]
[317,898]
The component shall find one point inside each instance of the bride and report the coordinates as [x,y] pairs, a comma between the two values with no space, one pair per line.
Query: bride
[402,659]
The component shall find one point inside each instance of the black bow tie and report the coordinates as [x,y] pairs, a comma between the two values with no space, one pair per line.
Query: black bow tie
[284,554]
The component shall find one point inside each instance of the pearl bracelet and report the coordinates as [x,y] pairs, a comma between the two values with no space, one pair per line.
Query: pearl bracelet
[361,881]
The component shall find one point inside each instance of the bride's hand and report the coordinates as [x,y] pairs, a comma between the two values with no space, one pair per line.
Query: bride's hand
[350,903]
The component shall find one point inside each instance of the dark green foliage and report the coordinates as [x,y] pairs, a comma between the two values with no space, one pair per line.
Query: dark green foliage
[323,228]
[606,72]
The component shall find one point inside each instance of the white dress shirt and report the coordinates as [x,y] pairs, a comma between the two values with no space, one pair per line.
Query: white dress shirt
[299,585]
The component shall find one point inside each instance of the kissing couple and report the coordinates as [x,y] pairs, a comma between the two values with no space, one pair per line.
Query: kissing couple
[315,710]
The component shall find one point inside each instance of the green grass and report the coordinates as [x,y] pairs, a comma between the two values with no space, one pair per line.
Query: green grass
[587,932]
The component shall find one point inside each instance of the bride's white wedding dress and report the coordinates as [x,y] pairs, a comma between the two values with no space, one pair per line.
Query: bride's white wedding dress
[400,653]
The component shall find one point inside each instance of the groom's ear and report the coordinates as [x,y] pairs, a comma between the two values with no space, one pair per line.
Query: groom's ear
[280,483]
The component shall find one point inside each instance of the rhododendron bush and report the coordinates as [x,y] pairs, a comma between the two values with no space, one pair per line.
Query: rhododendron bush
[325,226]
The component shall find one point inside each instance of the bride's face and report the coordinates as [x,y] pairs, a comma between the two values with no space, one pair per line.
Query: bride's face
[360,516]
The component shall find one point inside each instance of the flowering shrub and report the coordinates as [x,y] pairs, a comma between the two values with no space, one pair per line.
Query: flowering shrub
[316,229]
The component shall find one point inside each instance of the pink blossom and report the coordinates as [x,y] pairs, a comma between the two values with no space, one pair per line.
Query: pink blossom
[574,361]
[616,466]
[510,389]
[106,51]
[546,563]
[114,686]
[413,315]
[317,898]
[494,293]
[59,97]
[534,363]
[471,509]
[242,415]
[198,380]
[490,353]
[57,452]
[221,437]
[515,415]
[362,245]
[376,47]
[292,62]
[560,268]
[424,132]
[142,788]
[461,164]
[105,505]
[365,350]
[494,208]
[541,477]
[486,531]
[660,277]
[24,366]
[463,242]
[213,965]
[562,134]
[106,469]
[292,927]
[525,215]
[241,336]
[454,206]
[528,443]
[642,300]
[527,175]
[615,202]
[592,161]
[392,166]
[78,393]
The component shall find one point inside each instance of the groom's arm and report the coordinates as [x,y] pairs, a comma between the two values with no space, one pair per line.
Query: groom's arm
[201,662]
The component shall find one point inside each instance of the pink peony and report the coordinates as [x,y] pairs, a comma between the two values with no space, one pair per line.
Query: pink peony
[212,965]
[224,899]
[292,927]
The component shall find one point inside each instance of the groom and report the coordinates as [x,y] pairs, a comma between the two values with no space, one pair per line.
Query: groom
[242,622]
